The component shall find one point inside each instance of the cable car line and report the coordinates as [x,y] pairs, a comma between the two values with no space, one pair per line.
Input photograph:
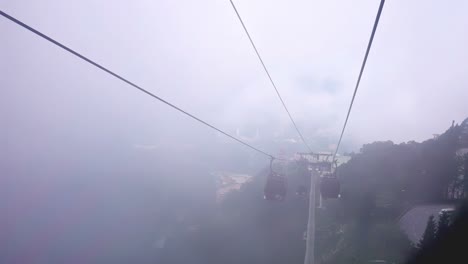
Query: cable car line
[329,183]
[18,22]
[269,77]
[377,18]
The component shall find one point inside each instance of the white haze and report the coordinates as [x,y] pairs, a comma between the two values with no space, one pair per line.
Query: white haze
[83,154]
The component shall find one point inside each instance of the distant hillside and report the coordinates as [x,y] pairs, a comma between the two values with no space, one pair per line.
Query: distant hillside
[463,137]
[410,172]
[378,184]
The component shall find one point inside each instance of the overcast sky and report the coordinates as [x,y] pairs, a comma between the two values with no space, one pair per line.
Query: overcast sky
[196,55]
[94,170]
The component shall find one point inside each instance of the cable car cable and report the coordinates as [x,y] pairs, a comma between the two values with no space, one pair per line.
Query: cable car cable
[377,18]
[269,77]
[129,82]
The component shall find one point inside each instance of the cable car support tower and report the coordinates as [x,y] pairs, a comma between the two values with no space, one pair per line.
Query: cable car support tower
[318,166]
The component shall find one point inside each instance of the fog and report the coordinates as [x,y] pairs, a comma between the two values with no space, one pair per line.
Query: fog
[93,170]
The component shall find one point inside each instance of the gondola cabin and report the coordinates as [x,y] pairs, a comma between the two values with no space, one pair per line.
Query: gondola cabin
[301,190]
[324,166]
[275,187]
[329,187]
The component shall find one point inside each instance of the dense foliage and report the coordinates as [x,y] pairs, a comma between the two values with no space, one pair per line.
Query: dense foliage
[379,183]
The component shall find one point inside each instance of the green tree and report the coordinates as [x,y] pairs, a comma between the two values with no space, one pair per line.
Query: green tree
[429,234]
[443,224]
[463,167]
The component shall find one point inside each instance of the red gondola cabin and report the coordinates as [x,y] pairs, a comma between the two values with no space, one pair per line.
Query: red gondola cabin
[275,187]
[329,187]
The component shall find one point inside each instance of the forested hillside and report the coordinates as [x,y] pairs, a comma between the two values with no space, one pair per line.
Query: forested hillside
[379,183]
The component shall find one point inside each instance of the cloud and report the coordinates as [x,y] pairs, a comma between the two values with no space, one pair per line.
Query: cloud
[145,147]
[196,55]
